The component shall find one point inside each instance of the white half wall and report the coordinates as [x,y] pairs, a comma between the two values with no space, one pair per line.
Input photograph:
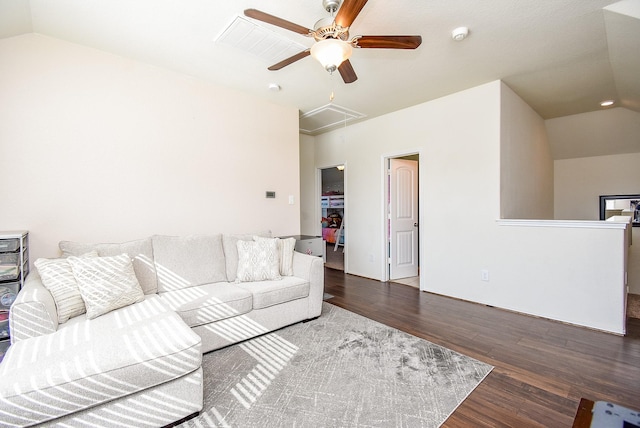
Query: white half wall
[570,271]
[96,147]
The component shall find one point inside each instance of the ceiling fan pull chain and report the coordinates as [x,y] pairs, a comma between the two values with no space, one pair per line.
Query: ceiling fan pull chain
[333,88]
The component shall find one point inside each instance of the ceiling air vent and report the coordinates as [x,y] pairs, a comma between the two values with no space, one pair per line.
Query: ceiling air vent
[271,47]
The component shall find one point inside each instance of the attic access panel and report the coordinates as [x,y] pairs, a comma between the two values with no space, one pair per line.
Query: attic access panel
[326,118]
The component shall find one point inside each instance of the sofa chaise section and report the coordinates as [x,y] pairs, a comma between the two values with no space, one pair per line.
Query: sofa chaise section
[102,364]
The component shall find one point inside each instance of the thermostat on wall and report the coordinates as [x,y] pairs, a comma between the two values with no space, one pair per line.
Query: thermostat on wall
[271,194]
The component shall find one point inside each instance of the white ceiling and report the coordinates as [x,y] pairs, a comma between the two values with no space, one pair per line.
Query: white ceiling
[561,56]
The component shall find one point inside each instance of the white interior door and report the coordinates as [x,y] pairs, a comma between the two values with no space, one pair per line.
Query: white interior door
[403,218]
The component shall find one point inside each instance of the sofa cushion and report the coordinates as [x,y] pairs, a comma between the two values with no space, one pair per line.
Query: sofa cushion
[106,283]
[208,303]
[187,261]
[258,260]
[230,246]
[152,306]
[57,277]
[140,251]
[159,406]
[269,293]
[88,363]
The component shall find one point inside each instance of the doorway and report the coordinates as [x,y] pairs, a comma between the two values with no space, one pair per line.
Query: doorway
[402,220]
[332,215]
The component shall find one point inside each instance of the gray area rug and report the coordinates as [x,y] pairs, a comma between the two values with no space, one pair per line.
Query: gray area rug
[340,370]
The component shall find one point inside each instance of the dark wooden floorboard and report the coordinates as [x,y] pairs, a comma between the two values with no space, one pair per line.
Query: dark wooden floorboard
[542,367]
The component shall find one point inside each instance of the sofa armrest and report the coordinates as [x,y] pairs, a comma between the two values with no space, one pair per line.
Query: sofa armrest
[311,268]
[34,311]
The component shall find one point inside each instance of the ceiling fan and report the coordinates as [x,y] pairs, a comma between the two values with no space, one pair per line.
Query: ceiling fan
[333,46]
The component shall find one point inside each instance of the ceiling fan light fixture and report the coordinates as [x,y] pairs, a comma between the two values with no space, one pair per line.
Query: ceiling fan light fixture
[331,53]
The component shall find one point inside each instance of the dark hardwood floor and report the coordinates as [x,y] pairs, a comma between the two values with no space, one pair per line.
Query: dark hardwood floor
[542,367]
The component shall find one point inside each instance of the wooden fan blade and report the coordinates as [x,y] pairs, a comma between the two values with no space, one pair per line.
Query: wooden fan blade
[348,12]
[389,42]
[347,72]
[290,60]
[274,20]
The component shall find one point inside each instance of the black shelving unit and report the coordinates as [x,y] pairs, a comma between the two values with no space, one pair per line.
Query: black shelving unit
[14,268]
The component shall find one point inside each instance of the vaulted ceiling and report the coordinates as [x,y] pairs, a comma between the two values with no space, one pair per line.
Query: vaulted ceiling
[561,56]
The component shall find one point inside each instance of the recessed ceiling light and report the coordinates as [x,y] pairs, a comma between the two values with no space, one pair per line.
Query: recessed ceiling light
[607,103]
[459,34]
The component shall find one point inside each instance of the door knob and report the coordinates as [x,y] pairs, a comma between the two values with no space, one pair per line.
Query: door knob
[415,224]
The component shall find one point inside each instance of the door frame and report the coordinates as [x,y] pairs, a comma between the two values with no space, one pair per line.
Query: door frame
[318,209]
[385,211]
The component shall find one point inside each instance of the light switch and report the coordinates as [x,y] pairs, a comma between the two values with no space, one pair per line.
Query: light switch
[291,200]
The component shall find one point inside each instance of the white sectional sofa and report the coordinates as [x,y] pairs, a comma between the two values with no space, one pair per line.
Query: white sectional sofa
[140,364]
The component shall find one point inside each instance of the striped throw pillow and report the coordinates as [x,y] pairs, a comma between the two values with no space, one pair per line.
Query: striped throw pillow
[57,277]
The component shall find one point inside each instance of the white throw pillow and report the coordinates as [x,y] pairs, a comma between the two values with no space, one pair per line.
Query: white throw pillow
[286,247]
[230,248]
[57,277]
[106,283]
[258,261]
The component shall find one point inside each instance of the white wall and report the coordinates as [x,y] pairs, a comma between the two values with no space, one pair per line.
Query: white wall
[526,172]
[309,207]
[95,147]
[535,270]
[582,135]
[459,170]
[580,182]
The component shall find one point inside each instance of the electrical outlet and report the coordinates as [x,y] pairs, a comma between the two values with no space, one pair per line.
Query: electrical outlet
[484,275]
